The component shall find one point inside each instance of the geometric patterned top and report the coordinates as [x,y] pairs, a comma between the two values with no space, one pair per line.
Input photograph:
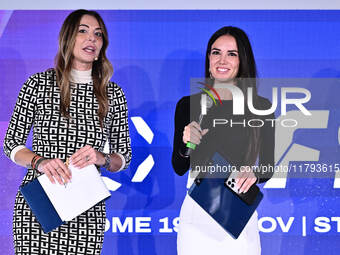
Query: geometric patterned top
[55,136]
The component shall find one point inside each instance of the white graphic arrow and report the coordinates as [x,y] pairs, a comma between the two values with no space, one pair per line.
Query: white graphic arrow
[111,184]
[143,129]
[143,169]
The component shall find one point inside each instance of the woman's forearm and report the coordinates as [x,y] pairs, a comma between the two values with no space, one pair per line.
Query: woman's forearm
[24,157]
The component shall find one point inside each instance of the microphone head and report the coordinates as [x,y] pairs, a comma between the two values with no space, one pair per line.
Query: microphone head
[209,102]
[206,103]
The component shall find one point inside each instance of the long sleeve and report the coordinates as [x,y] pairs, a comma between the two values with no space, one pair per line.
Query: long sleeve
[267,147]
[22,118]
[180,164]
[119,138]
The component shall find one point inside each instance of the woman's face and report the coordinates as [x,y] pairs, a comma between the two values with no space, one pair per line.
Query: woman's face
[224,58]
[88,44]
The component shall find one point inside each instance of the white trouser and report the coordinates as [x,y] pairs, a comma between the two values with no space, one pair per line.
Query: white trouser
[199,233]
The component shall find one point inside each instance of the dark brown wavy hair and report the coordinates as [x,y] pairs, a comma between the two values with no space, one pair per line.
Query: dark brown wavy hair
[101,69]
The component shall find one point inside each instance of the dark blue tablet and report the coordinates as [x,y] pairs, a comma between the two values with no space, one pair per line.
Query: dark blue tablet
[227,208]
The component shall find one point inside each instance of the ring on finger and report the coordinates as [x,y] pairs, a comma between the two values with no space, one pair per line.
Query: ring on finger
[87,158]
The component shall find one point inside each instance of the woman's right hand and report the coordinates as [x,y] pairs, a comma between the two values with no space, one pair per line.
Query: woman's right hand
[55,169]
[193,133]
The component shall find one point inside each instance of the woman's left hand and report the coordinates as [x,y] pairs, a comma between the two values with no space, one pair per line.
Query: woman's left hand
[87,156]
[245,179]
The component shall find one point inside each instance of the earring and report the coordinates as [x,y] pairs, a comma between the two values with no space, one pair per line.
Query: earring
[96,58]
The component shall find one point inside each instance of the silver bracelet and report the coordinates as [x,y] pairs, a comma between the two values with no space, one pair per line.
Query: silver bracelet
[107,164]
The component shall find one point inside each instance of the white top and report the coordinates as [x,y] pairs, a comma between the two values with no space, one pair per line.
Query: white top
[81,76]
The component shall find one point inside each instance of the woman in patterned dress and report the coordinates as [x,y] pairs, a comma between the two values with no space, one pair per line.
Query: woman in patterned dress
[74,110]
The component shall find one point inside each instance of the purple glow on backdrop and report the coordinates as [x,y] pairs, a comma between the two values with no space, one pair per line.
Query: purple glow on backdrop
[3,128]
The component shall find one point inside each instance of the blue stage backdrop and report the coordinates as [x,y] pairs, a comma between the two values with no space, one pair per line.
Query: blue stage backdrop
[154,54]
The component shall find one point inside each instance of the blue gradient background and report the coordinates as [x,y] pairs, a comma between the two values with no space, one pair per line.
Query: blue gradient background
[154,54]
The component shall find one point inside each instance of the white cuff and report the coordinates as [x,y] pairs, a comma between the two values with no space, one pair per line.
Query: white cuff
[15,150]
[123,161]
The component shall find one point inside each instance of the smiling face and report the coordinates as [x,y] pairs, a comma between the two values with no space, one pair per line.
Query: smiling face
[88,43]
[224,58]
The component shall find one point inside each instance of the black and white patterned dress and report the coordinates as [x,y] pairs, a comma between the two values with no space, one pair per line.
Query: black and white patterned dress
[55,136]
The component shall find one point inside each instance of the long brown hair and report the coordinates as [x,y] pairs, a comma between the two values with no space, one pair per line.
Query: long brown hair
[245,78]
[101,69]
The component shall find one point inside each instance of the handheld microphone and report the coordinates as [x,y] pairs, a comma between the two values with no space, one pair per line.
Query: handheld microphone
[206,104]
